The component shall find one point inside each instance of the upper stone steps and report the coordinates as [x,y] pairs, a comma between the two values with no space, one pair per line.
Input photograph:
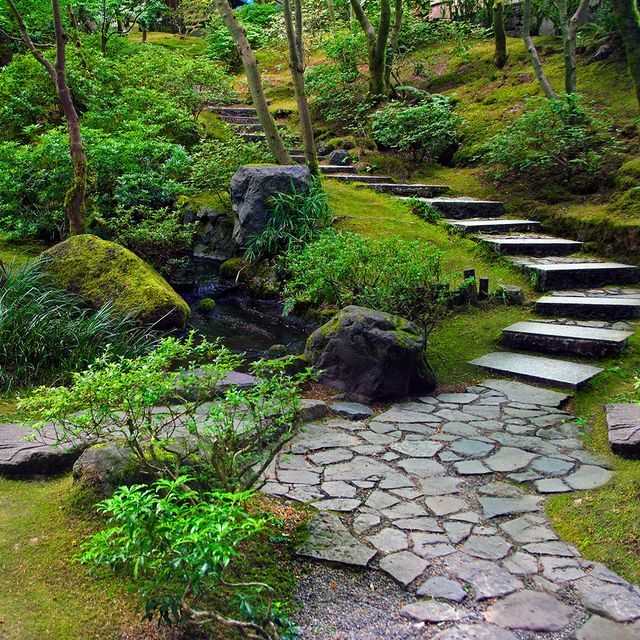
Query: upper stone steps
[464,208]
[234,111]
[410,190]
[530,245]
[333,169]
[364,179]
[600,307]
[239,119]
[499,225]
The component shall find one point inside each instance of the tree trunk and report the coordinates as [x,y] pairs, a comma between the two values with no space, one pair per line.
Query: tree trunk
[628,18]
[332,11]
[574,23]
[274,140]
[293,25]
[500,57]
[569,63]
[393,41]
[74,202]
[533,53]
[144,36]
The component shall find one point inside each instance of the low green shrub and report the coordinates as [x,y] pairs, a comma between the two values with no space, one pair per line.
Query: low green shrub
[427,130]
[392,275]
[554,142]
[47,334]
[296,219]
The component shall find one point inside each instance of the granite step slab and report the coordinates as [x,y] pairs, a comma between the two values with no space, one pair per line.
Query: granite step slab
[256,127]
[252,137]
[604,307]
[500,225]
[464,208]
[574,275]
[410,190]
[301,159]
[623,425]
[561,338]
[332,169]
[234,111]
[364,179]
[533,246]
[231,119]
[559,373]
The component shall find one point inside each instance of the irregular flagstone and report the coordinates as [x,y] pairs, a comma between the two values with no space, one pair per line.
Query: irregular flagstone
[295,476]
[509,459]
[487,412]
[471,468]
[331,456]
[422,467]
[403,510]
[403,566]
[322,436]
[488,579]
[365,521]
[440,486]
[552,466]
[614,601]
[552,548]
[597,628]
[475,632]
[422,523]
[561,569]
[551,485]
[400,416]
[457,531]
[330,540]
[472,448]
[337,504]
[588,477]
[531,611]
[381,500]
[359,468]
[395,481]
[352,410]
[338,489]
[623,424]
[431,611]
[457,398]
[500,489]
[453,415]
[389,540]
[445,505]
[486,547]
[424,449]
[529,528]
[519,392]
[493,507]
[521,564]
[431,545]
[444,588]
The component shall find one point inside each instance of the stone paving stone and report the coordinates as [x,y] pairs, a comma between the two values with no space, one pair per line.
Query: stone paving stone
[561,569]
[364,522]
[623,424]
[423,467]
[304,493]
[431,545]
[525,476]
[449,456]
[597,628]
[359,468]
[407,494]
[527,529]
[457,398]
[472,448]
[552,466]
[487,578]
[389,540]
[588,458]
[424,449]
[466,516]
[381,500]
[453,415]
[368,449]
[460,429]
[443,588]
[551,485]
[500,490]
[475,632]
[521,564]
[395,481]
[494,507]
[298,476]
[486,412]
[528,394]
[487,425]
[328,539]
[337,504]
[411,427]
[403,566]
[403,510]
[440,486]
[274,489]
[457,531]
[486,547]
[422,523]
[331,456]
[431,611]
[381,427]
[390,456]
[509,459]
[315,437]
[588,477]
[338,489]
[352,410]
[551,548]
[419,407]
[613,601]
[471,468]
[399,416]
[531,611]
[445,505]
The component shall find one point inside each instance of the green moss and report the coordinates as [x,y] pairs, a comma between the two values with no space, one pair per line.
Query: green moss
[214,127]
[192,46]
[628,175]
[206,305]
[231,268]
[101,272]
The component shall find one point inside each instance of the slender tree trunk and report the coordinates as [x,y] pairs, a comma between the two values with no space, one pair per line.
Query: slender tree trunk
[274,140]
[332,11]
[74,202]
[293,23]
[572,59]
[533,52]
[393,41]
[144,35]
[569,63]
[499,34]
[628,18]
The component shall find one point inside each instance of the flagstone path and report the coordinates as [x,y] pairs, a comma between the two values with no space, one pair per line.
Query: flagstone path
[446,496]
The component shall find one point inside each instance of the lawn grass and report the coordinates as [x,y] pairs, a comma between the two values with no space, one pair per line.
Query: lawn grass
[192,46]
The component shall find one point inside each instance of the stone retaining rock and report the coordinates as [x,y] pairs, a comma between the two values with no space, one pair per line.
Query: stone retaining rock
[623,423]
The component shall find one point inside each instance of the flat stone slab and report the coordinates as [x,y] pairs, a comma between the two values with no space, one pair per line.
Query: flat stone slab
[588,477]
[475,632]
[352,410]
[623,423]
[404,566]
[462,208]
[431,611]
[444,588]
[330,540]
[597,628]
[410,190]
[494,507]
[494,226]
[606,307]
[526,393]
[560,373]
[531,246]
[531,611]
[614,601]
[573,275]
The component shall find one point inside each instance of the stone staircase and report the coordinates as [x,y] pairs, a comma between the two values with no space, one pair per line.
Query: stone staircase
[587,299]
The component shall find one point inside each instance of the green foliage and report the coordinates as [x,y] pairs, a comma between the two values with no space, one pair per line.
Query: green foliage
[427,129]
[556,142]
[156,404]
[206,305]
[424,210]
[296,219]
[46,334]
[390,275]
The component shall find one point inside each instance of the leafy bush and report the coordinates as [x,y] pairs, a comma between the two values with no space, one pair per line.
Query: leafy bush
[156,405]
[46,334]
[296,219]
[391,275]
[555,142]
[427,130]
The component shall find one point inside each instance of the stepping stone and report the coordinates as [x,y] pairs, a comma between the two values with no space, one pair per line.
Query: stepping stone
[527,394]
[330,169]
[252,137]
[458,398]
[472,448]
[552,466]
[551,485]
[486,547]
[494,507]
[471,468]
[410,190]
[364,522]
[362,179]
[521,564]
[403,566]
[234,111]
[445,505]
[560,373]
[352,410]
[331,456]
[623,423]
[440,486]
[441,587]
[425,449]
[431,545]
[509,459]
[338,489]
[475,632]
[574,275]
[531,246]
[462,208]
[588,477]
[598,628]
[423,467]
[613,601]
[422,523]
[359,468]
[528,529]
[431,611]
[457,531]
[389,540]
[530,611]
[239,119]
[493,226]
[328,539]
[337,504]
[487,578]
[563,338]
[607,307]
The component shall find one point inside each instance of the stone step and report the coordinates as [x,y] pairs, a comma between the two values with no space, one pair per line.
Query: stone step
[558,373]
[300,159]
[296,152]
[603,307]
[363,179]
[234,111]
[563,338]
[465,208]
[531,246]
[332,169]
[411,190]
[494,226]
[239,119]
[252,137]
[573,275]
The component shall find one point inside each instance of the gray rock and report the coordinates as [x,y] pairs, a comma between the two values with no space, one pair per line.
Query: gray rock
[421,523]
[364,522]
[389,540]
[509,459]
[486,547]
[214,234]
[338,489]
[475,632]
[424,449]
[331,456]
[431,611]
[422,467]
[374,355]
[352,410]
[623,423]
[551,548]
[252,186]
[527,529]
[431,545]
[512,295]
[445,505]
[552,466]
[330,540]
[612,601]
[527,394]
[359,468]
[312,410]
[472,448]
[403,566]
[471,468]
[561,569]
[597,628]
[381,500]
[337,504]
[457,531]
[588,477]
[487,578]
[458,398]
[521,564]
[339,157]
[440,486]
[494,507]
[531,611]
[444,588]
[551,485]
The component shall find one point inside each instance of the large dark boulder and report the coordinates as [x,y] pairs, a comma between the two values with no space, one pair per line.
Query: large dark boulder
[251,187]
[373,355]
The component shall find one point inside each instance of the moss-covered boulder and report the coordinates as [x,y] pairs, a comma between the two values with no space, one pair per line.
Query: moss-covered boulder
[100,272]
[373,355]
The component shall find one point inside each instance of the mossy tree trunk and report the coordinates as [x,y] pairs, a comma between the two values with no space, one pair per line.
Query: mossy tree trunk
[628,18]
[533,52]
[570,53]
[74,202]
[293,23]
[392,52]
[499,34]
[254,79]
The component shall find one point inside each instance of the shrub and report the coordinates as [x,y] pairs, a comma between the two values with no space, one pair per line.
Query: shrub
[427,130]
[156,405]
[46,334]
[391,275]
[557,142]
[296,219]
